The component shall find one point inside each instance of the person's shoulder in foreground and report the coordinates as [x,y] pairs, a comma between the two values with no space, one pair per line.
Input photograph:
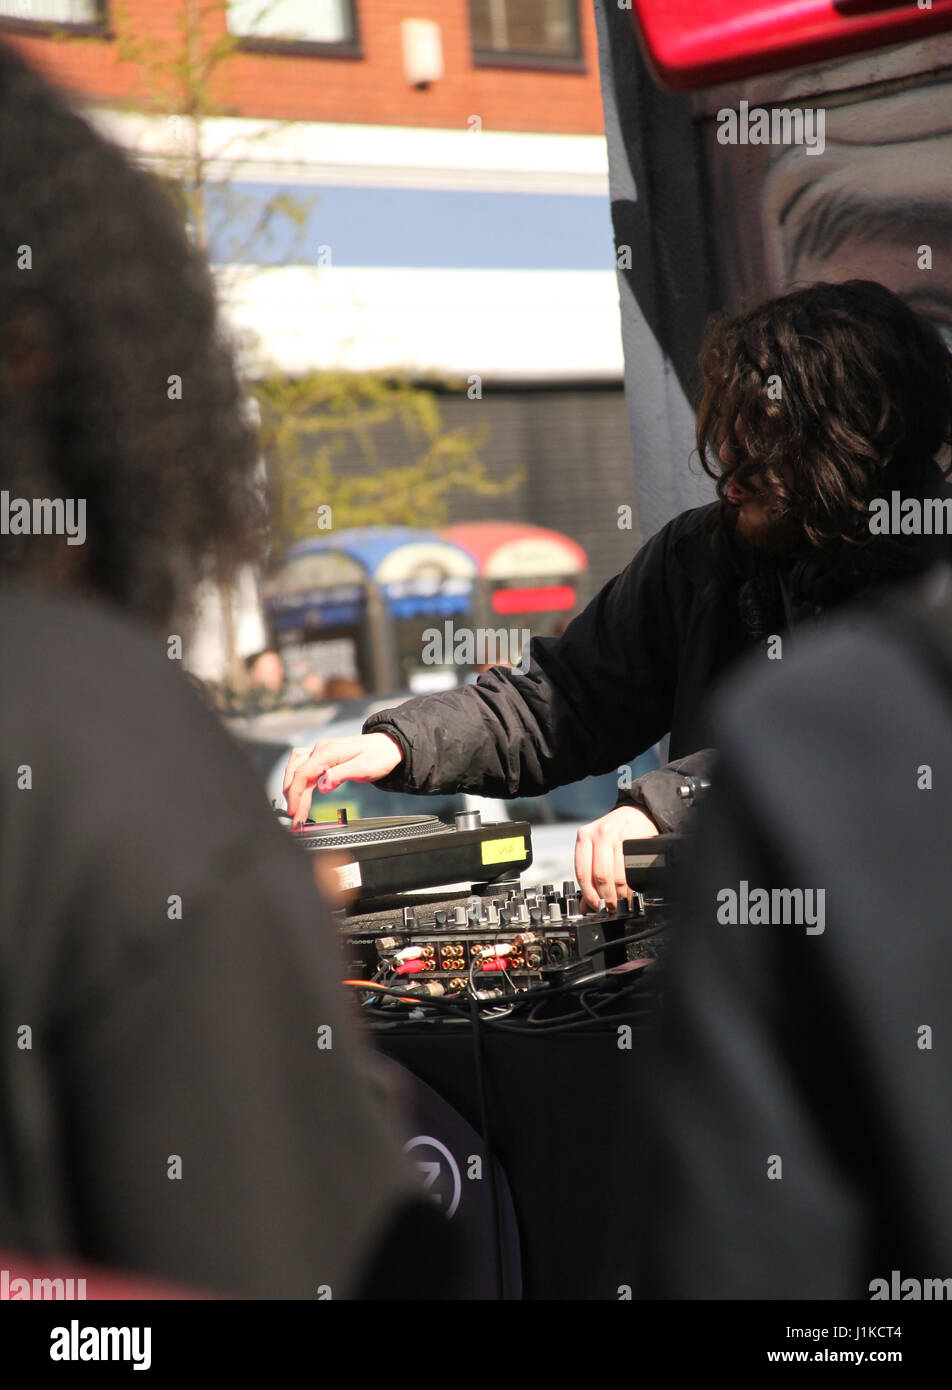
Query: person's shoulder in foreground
[192,1100]
[797,1140]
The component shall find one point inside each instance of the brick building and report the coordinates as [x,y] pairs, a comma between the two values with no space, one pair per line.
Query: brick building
[448,163]
[348,64]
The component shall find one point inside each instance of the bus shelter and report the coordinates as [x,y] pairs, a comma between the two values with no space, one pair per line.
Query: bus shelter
[354,604]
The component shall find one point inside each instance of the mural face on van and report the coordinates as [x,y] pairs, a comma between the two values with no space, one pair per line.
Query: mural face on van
[875,202]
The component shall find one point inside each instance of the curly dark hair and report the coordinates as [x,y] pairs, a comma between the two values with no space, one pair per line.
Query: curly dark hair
[103,298]
[865,407]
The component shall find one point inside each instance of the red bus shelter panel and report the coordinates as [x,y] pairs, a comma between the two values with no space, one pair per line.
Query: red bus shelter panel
[525,571]
[515,549]
[699,43]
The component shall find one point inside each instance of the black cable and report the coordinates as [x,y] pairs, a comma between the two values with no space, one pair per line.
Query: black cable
[380,1023]
[544,993]
[581,1019]
[575,1022]
[587,1007]
[404,996]
[626,1009]
[579,1026]
[646,1005]
[540,992]
[487,1147]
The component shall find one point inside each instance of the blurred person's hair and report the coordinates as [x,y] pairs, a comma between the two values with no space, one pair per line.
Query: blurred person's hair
[116,302]
[864,407]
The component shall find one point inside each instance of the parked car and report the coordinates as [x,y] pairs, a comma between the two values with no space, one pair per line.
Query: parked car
[555,817]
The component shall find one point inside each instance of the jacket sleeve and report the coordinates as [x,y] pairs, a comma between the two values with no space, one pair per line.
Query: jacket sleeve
[657,793]
[589,701]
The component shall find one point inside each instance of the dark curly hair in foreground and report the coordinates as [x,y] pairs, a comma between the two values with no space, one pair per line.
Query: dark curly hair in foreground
[117,301]
[865,406]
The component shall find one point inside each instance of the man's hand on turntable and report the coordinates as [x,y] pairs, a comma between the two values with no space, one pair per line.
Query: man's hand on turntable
[363,758]
[599,861]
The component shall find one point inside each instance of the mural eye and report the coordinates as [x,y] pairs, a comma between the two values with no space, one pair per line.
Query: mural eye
[946,331]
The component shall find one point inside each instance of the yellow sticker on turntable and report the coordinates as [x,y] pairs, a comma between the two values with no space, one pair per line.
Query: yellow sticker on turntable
[503,851]
[351,807]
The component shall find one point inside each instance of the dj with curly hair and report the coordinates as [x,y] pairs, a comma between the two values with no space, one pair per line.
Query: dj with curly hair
[815,405]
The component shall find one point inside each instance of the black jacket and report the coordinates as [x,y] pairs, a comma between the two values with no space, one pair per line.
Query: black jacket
[638,662]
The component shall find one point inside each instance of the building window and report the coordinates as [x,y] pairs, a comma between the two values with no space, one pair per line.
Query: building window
[86,15]
[328,26]
[526,32]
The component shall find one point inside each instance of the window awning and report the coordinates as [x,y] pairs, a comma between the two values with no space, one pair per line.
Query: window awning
[510,551]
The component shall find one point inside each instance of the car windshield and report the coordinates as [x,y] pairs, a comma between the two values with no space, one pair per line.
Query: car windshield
[579,801]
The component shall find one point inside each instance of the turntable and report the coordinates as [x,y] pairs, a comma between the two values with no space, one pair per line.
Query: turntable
[385,855]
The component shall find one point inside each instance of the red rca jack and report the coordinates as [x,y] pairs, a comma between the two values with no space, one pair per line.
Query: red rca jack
[410,967]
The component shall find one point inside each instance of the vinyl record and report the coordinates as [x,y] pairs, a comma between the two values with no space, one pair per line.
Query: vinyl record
[371,830]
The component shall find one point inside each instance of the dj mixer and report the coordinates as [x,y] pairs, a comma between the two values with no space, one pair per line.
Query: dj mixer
[492,937]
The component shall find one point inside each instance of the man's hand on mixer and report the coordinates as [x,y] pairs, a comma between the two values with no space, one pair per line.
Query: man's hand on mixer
[599,861]
[363,758]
